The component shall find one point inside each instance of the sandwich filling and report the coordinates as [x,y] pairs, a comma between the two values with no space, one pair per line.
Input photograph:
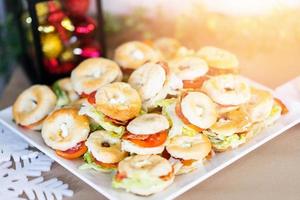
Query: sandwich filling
[103,121]
[92,163]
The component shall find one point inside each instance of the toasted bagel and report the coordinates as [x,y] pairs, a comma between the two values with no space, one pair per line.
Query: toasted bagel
[118,101]
[33,105]
[65,128]
[132,55]
[93,73]
[148,124]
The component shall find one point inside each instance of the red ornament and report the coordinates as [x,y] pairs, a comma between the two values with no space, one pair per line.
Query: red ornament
[56,15]
[76,7]
[84,26]
[90,51]
[54,67]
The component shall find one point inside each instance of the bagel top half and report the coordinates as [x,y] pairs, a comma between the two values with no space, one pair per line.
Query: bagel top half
[132,55]
[93,73]
[218,58]
[147,124]
[198,109]
[118,101]
[168,47]
[33,105]
[188,67]
[153,165]
[148,80]
[65,128]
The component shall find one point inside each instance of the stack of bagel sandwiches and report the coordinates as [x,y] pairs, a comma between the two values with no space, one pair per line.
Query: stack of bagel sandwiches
[155,111]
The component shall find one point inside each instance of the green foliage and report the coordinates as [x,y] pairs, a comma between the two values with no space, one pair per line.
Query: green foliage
[10,44]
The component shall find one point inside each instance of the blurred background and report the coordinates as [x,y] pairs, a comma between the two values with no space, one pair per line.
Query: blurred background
[41,41]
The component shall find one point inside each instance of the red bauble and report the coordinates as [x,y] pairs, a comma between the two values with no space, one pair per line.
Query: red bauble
[90,51]
[76,7]
[53,66]
[55,17]
[84,26]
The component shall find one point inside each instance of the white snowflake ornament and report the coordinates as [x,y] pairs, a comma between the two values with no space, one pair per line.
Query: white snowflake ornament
[21,169]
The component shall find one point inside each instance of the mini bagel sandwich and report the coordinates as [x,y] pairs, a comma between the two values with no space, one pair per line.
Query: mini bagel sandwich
[263,107]
[93,73]
[260,105]
[143,174]
[190,151]
[146,134]
[229,131]
[167,47]
[133,54]
[154,82]
[33,105]
[64,92]
[66,131]
[219,61]
[196,110]
[227,90]
[191,70]
[104,151]
[278,109]
[189,114]
[112,106]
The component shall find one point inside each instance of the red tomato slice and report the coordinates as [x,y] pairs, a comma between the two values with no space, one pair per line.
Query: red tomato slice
[106,165]
[168,176]
[184,119]
[83,95]
[195,84]
[115,121]
[129,136]
[152,140]
[284,110]
[120,177]
[91,98]
[74,152]
[187,162]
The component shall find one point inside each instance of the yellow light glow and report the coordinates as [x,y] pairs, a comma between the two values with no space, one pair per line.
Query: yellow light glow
[67,24]
[46,29]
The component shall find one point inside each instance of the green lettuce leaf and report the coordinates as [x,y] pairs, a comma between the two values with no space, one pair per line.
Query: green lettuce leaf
[138,180]
[90,164]
[189,131]
[178,127]
[224,142]
[62,97]
[274,115]
[89,110]
[164,104]
[95,127]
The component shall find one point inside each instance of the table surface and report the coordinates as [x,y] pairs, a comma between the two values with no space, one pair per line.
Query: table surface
[269,172]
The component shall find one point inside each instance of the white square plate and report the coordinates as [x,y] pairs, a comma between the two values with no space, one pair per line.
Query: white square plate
[102,182]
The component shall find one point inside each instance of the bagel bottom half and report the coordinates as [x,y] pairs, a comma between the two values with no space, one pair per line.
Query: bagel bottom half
[37,126]
[133,148]
[184,169]
[221,143]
